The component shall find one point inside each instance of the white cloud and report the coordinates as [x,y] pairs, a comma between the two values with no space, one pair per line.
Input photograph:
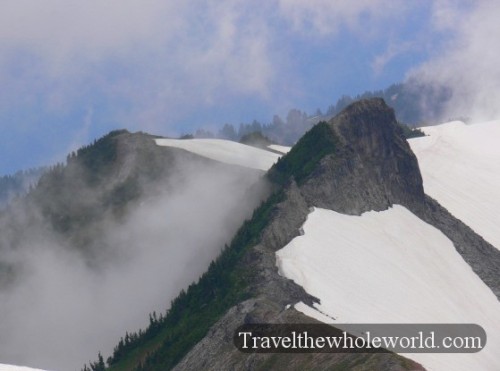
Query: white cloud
[468,64]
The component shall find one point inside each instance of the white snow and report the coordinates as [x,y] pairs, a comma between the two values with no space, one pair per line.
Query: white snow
[391,267]
[17,368]
[460,166]
[225,151]
[279,148]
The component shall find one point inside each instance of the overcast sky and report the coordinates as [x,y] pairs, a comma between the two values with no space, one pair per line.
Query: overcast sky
[70,71]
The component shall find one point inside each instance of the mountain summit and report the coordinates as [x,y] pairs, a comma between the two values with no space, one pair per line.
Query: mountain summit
[370,167]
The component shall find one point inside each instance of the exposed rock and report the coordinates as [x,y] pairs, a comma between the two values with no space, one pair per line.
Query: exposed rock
[287,218]
[483,258]
[373,167]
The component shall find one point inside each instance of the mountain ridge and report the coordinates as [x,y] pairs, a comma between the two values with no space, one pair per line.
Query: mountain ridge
[390,176]
[272,291]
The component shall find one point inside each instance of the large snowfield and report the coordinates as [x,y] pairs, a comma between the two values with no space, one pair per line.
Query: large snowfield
[225,151]
[460,166]
[391,267]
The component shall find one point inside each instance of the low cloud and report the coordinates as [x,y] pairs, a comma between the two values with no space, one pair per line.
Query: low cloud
[62,306]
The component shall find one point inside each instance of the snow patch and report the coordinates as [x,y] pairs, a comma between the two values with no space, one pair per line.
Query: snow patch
[277,147]
[225,151]
[391,267]
[460,166]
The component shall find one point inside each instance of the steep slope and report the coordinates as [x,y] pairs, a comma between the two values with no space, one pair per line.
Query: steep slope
[460,166]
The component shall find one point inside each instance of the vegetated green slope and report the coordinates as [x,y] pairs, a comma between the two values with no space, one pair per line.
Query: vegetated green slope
[98,158]
[304,156]
[76,194]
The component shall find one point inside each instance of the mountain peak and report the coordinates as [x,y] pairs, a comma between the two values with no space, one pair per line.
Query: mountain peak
[358,161]
[368,126]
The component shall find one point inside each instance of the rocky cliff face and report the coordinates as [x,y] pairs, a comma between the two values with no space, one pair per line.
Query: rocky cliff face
[371,168]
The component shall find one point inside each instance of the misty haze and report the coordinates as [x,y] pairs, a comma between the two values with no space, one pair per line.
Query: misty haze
[60,306]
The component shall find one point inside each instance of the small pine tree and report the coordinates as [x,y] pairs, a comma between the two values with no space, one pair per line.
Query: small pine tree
[99,365]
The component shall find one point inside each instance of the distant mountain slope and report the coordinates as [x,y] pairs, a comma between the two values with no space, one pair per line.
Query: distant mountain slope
[460,166]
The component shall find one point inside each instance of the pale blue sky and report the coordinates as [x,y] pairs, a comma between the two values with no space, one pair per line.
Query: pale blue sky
[70,71]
